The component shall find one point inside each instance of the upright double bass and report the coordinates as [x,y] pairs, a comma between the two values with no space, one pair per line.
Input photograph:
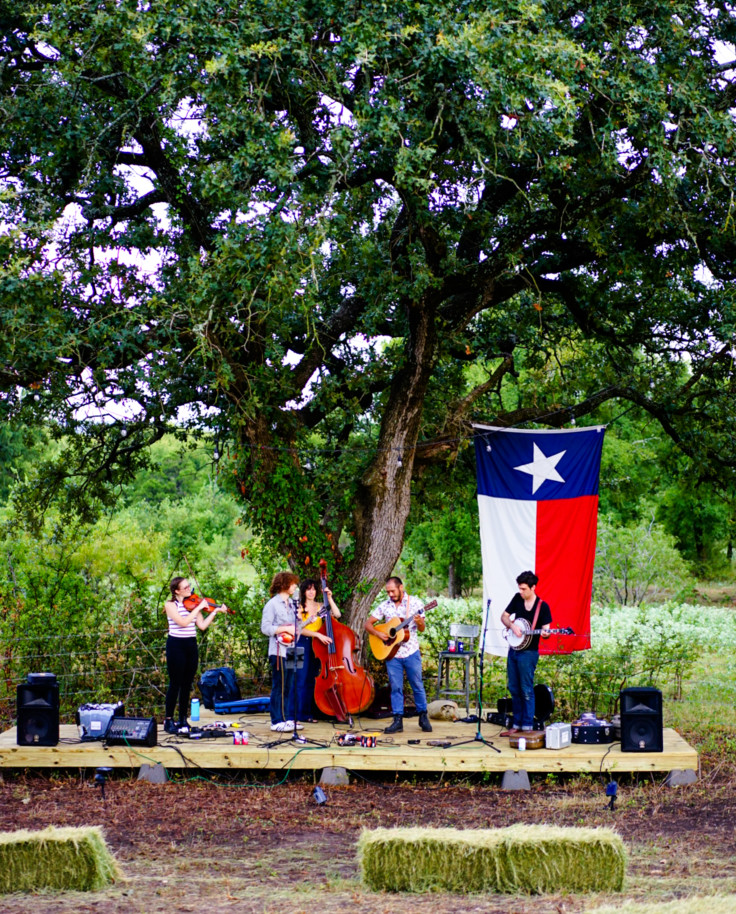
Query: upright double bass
[342,686]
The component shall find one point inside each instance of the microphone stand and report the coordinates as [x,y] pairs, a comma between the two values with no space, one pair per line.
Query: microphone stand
[479,738]
[294,691]
[296,736]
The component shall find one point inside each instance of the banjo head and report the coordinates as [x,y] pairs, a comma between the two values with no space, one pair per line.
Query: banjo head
[515,641]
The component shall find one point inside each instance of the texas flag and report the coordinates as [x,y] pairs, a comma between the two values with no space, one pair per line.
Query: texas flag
[538,506]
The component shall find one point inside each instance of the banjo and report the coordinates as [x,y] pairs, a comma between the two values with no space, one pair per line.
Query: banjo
[521,642]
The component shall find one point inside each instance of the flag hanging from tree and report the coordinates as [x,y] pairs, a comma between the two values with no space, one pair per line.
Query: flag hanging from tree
[538,507]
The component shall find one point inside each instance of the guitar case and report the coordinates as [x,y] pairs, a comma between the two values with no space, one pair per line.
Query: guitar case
[534,739]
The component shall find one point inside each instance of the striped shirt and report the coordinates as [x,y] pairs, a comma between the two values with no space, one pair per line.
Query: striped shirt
[179,631]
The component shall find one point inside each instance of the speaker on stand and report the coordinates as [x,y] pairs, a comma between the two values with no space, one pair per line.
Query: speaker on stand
[641,720]
[38,710]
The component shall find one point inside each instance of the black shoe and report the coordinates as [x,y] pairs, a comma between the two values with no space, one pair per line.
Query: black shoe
[397,726]
[170,726]
[424,723]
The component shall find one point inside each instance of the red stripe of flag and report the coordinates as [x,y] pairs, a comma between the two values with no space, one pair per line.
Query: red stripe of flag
[566,537]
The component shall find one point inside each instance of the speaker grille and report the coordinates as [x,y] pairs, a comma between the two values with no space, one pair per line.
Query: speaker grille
[641,720]
[38,727]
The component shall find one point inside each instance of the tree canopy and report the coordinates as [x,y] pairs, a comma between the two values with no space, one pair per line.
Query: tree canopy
[331,234]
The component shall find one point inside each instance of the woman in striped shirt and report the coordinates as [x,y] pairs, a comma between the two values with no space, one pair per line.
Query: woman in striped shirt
[182,654]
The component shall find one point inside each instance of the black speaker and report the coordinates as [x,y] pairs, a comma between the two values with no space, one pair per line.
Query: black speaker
[38,711]
[641,720]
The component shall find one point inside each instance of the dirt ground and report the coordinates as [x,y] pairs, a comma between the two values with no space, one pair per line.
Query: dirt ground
[226,846]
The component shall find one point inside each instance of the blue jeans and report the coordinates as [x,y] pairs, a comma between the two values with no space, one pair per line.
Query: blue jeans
[305,678]
[520,667]
[282,690]
[395,669]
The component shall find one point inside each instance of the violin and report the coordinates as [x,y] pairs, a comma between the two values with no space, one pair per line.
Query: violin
[342,687]
[193,600]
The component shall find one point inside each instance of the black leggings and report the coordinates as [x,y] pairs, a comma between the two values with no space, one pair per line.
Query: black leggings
[182,660]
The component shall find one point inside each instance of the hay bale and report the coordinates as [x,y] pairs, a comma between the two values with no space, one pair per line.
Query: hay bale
[531,859]
[704,904]
[56,859]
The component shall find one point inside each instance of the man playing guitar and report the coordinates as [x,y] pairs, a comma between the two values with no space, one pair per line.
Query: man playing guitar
[521,663]
[407,658]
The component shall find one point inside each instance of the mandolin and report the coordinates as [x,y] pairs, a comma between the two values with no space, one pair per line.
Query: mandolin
[397,631]
[313,625]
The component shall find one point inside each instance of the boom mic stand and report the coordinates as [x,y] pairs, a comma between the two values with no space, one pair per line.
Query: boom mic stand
[479,738]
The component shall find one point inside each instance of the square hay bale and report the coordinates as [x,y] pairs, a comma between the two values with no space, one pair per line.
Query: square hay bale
[56,859]
[696,904]
[530,859]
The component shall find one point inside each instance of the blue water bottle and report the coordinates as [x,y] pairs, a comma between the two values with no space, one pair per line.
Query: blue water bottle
[195,709]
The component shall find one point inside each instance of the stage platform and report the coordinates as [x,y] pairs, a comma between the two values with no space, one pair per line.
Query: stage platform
[279,752]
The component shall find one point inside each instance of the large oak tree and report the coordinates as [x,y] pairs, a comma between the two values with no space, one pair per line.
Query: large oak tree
[330,233]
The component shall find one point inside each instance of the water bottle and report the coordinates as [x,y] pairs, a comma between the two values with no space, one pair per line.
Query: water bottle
[195,709]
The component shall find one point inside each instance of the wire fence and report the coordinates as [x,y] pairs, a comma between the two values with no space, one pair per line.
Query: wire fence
[128,664]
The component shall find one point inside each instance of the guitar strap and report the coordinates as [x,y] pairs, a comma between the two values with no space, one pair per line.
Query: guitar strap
[537,607]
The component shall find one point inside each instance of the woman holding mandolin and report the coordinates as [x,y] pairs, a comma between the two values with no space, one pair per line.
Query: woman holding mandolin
[311,611]
[278,621]
[185,616]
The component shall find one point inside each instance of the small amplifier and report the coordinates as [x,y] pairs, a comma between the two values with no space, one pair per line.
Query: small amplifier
[558,736]
[588,729]
[132,731]
[94,719]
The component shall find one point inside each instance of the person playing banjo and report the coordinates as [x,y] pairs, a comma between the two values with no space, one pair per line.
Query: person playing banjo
[525,613]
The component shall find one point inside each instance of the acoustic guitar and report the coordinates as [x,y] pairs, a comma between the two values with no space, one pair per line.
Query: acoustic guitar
[521,642]
[397,631]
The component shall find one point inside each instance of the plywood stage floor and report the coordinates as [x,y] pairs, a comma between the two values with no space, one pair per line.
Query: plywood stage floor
[404,752]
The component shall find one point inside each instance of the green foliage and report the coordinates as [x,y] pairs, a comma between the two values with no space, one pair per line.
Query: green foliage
[636,562]
[698,517]
[654,645]
[325,236]
[444,552]
[176,470]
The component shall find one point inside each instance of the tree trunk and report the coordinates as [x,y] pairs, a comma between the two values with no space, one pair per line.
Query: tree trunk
[453,585]
[384,493]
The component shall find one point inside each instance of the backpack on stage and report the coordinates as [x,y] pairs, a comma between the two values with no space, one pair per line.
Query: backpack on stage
[218,685]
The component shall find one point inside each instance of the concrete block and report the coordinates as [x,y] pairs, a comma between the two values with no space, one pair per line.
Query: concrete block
[515,780]
[155,774]
[678,777]
[334,777]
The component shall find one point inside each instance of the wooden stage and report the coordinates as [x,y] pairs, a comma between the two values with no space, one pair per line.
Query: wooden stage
[279,752]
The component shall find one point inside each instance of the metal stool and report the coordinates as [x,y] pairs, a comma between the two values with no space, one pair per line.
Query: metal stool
[468,634]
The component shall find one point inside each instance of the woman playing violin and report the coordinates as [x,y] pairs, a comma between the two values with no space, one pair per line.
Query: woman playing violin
[311,605]
[182,654]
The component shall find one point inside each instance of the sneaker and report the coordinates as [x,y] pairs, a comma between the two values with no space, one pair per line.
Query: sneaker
[284,726]
[170,727]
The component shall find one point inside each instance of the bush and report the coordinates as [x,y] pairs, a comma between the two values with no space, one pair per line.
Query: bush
[637,561]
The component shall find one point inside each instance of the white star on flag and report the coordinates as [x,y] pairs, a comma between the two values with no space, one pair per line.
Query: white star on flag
[542,468]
